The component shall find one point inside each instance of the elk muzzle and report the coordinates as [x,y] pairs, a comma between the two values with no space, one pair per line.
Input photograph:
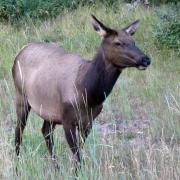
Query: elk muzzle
[144,63]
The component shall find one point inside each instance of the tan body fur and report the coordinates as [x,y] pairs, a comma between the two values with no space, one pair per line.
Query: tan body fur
[59,82]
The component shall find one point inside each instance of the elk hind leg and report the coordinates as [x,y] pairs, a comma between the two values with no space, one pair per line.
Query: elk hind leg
[47,131]
[22,111]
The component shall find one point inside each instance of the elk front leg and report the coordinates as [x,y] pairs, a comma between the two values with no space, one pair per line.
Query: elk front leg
[70,133]
[83,133]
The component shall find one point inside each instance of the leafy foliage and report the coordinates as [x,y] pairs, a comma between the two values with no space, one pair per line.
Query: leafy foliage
[158,1]
[163,1]
[13,10]
[167,31]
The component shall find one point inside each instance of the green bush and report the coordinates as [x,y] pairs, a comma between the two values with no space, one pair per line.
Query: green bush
[13,10]
[167,31]
[157,2]
[163,1]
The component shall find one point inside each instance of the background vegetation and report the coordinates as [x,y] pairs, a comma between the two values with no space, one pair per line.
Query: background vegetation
[137,136]
[13,10]
[168,31]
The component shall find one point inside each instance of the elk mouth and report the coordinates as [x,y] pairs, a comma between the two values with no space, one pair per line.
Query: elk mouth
[142,67]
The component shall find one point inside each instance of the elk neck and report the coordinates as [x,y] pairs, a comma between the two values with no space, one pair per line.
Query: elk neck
[99,79]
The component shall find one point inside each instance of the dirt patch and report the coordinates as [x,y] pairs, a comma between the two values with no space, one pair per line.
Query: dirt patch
[137,127]
[133,131]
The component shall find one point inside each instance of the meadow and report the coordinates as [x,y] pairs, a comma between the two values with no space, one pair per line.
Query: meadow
[137,135]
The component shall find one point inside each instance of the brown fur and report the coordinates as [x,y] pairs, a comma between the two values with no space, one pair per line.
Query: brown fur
[63,88]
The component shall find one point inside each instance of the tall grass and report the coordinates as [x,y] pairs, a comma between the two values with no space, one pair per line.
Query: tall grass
[136,136]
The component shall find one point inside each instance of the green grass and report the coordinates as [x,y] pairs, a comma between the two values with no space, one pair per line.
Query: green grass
[152,96]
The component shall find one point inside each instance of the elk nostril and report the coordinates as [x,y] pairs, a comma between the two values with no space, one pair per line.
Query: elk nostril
[146,61]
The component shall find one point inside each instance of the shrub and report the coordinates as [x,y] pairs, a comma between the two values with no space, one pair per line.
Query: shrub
[163,1]
[13,10]
[157,2]
[167,32]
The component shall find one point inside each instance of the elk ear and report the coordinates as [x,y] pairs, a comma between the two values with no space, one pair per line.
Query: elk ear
[131,29]
[100,28]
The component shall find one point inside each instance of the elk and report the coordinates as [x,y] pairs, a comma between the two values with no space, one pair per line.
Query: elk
[64,88]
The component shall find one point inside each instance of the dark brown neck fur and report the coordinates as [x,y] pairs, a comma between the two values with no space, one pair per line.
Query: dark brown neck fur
[99,79]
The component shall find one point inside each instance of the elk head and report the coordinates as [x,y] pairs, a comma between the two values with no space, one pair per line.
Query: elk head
[118,46]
